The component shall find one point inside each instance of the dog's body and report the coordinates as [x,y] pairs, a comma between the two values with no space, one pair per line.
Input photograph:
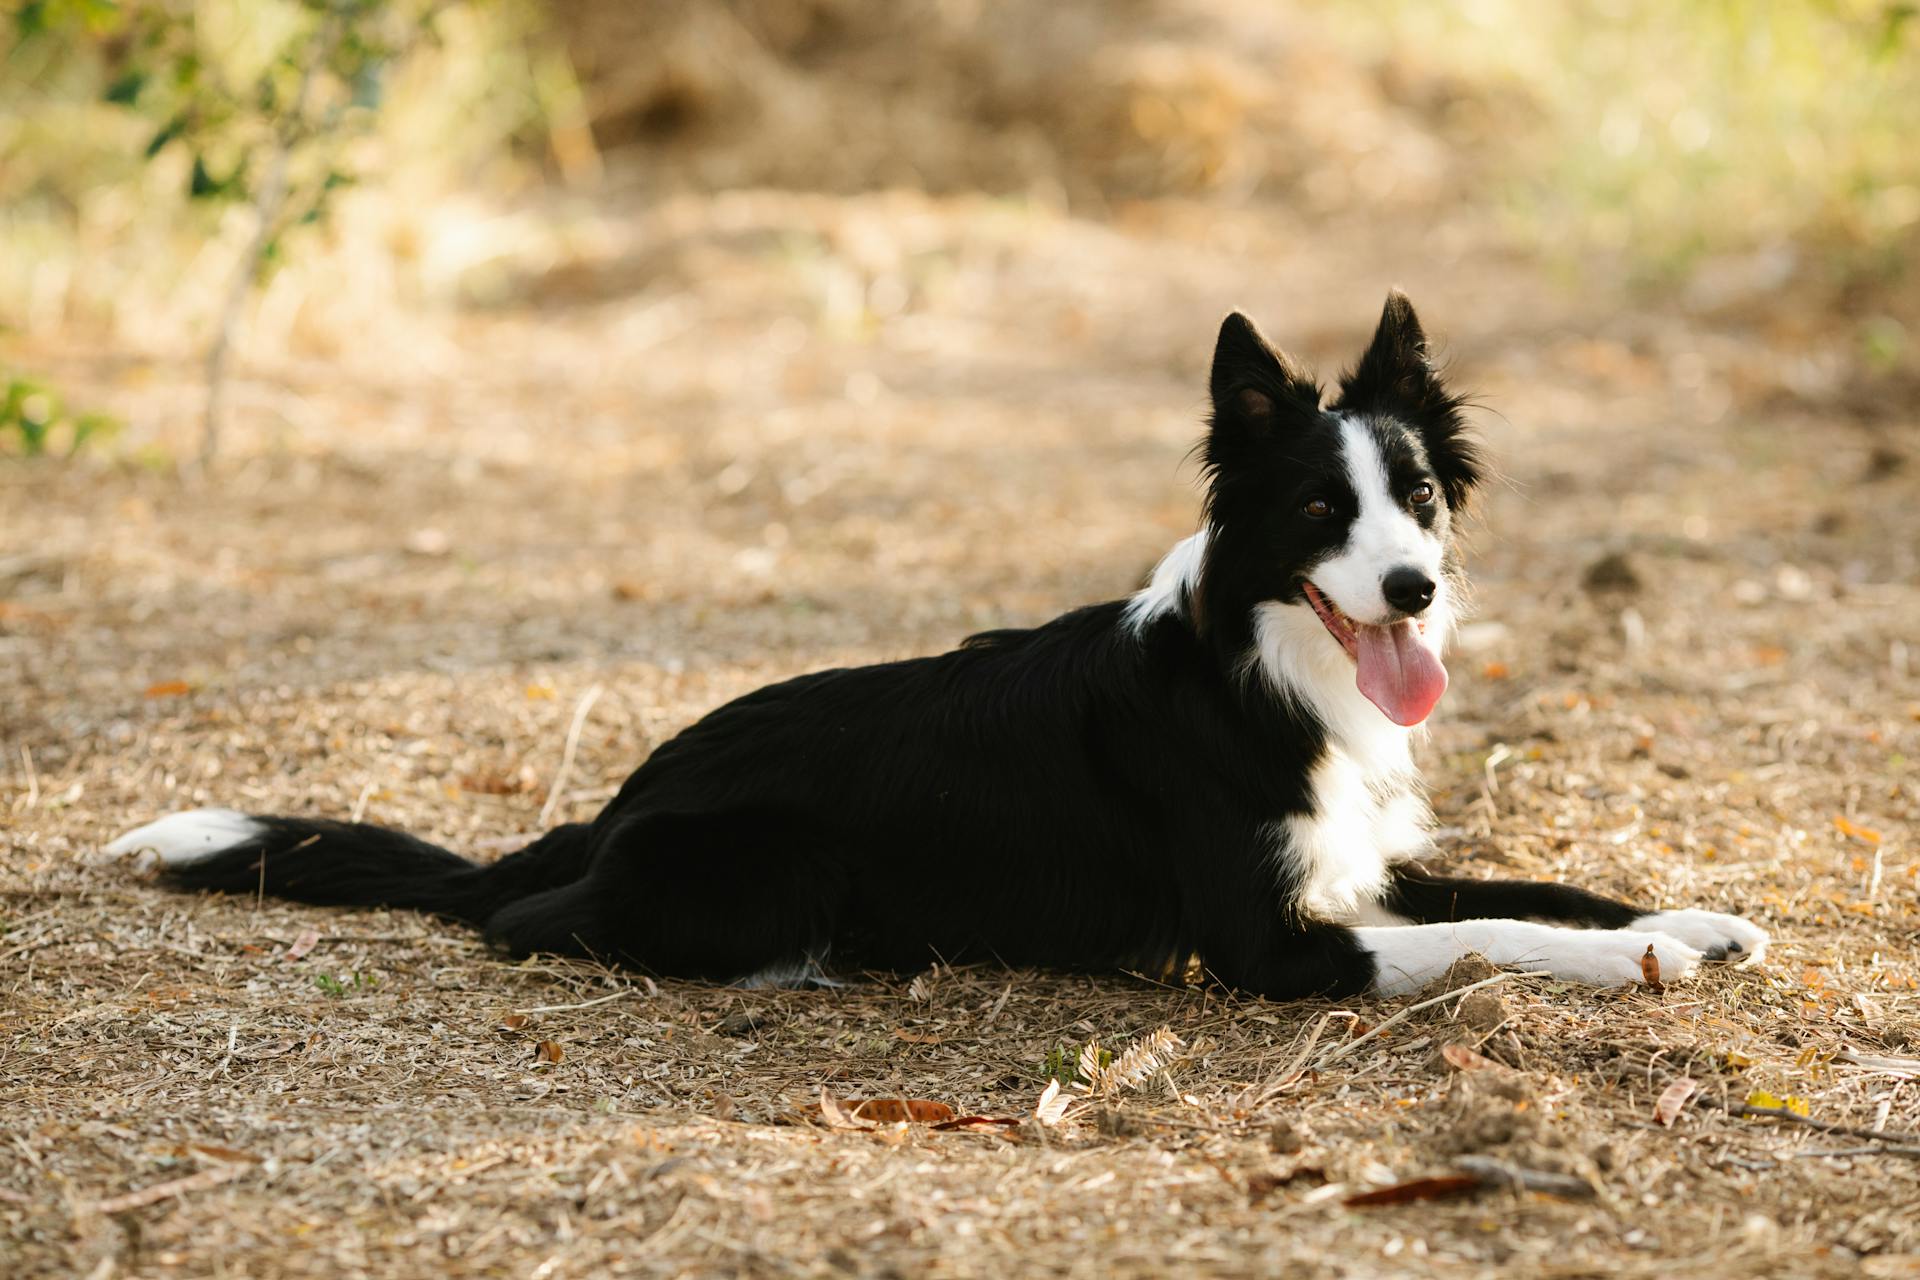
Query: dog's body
[1219,766]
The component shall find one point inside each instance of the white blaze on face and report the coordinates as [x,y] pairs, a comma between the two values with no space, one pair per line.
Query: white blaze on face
[1383,536]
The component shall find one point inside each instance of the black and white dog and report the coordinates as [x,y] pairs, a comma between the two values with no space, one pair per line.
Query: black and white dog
[1220,765]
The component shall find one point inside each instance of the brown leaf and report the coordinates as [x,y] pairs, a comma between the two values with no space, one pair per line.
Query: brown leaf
[894,1110]
[1674,1098]
[549,1051]
[915,1037]
[1650,970]
[514,1021]
[1418,1189]
[169,689]
[307,940]
[1463,1058]
[491,782]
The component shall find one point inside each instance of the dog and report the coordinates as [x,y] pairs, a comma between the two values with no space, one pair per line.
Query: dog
[1219,766]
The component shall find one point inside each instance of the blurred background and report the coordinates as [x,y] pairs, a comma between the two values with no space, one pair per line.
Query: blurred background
[379,172]
[343,338]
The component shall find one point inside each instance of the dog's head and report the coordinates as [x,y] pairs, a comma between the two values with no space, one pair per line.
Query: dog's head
[1330,528]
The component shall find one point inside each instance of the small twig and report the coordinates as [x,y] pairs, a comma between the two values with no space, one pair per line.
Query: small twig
[587,1004]
[266,212]
[53,937]
[1741,1110]
[1295,1069]
[1340,1051]
[202,1181]
[1857,1151]
[33,778]
[359,812]
[1500,1173]
[998,1005]
[558,789]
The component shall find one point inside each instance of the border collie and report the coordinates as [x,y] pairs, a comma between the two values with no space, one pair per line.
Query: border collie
[1219,766]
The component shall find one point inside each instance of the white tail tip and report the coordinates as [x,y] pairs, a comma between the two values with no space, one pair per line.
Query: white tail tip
[181,839]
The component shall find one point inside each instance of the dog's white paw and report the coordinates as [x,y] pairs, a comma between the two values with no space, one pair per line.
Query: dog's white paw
[180,839]
[1616,957]
[1406,957]
[1716,936]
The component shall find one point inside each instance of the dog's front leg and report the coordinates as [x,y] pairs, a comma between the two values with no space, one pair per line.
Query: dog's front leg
[1418,896]
[1407,957]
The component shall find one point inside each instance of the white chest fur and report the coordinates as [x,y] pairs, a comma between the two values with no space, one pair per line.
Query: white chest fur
[1363,821]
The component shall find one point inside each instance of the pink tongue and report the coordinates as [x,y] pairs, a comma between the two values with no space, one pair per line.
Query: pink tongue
[1398,673]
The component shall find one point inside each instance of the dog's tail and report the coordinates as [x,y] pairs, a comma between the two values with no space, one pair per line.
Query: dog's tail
[346,863]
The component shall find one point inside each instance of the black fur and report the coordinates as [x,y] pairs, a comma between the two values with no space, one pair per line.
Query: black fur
[1083,794]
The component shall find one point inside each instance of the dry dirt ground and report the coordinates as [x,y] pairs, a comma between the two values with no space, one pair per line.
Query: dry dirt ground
[751,435]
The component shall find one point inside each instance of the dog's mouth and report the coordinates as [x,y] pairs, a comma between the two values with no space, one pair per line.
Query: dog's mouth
[1395,668]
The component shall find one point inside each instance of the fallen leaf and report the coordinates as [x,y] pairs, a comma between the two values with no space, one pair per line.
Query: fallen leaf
[514,1021]
[1418,1189]
[1773,1102]
[894,1110]
[915,1037]
[305,941]
[1674,1098]
[491,782]
[1052,1108]
[1650,970]
[1866,835]
[549,1051]
[169,689]
[1463,1058]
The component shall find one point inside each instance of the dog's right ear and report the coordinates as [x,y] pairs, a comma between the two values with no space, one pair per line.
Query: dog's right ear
[1254,384]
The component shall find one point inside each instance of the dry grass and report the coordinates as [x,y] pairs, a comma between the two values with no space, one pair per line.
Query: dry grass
[421,556]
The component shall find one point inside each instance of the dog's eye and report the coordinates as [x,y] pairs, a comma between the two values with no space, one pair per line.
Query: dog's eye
[1422,494]
[1318,508]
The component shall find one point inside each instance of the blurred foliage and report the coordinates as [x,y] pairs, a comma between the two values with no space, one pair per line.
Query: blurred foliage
[1665,131]
[264,101]
[35,421]
[136,140]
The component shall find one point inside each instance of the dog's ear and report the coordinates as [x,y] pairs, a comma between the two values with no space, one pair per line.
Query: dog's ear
[1395,377]
[1254,384]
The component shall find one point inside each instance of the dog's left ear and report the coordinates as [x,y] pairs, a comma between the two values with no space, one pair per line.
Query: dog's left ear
[1396,378]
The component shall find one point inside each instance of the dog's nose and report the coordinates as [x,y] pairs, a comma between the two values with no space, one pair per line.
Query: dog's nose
[1407,589]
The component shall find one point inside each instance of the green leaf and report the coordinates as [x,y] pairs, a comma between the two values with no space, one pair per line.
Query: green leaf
[126,88]
[30,19]
[168,132]
[89,425]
